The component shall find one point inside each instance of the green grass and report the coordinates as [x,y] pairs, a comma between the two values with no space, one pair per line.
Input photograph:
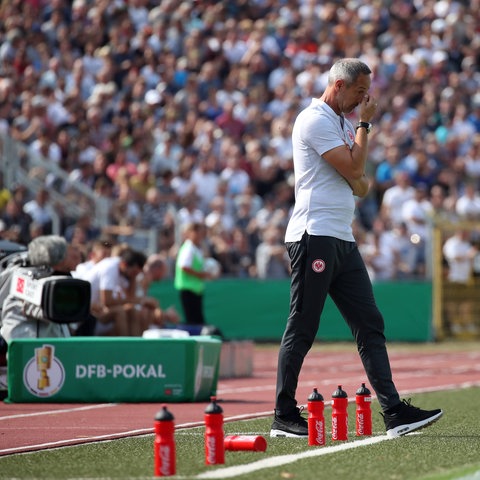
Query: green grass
[450,449]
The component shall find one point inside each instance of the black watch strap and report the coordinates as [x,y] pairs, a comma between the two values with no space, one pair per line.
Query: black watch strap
[366,125]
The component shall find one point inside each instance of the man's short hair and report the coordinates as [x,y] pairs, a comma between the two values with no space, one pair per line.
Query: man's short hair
[133,258]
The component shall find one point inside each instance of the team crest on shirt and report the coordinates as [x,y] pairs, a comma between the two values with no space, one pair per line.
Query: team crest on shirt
[318,265]
[351,137]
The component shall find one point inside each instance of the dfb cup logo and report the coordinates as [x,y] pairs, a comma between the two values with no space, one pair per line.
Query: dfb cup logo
[318,265]
[44,375]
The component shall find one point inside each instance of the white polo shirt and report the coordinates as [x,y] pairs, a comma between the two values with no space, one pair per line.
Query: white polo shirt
[105,275]
[324,202]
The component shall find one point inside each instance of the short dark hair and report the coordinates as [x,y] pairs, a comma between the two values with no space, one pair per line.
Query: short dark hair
[133,258]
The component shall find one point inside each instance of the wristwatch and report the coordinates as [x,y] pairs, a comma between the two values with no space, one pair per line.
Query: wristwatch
[366,125]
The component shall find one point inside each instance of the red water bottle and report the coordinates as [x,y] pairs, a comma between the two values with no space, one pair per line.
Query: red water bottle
[164,444]
[255,443]
[214,435]
[339,414]
[363,400]
[316,419]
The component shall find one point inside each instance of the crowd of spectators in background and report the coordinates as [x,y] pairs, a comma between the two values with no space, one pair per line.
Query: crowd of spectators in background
[180,111]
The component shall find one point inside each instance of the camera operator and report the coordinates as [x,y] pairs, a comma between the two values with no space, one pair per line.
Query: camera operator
[50,255]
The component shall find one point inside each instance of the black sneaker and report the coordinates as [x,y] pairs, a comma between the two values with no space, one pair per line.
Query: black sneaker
[292,425]
[409,419]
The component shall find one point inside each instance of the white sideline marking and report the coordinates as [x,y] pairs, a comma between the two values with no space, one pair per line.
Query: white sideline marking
[73,442]
[63,410]
[232,472]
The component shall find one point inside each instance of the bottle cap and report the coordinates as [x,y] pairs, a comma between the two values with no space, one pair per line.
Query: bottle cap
[164,415]
[213,406]
[339,393]
[315,396]
[363,390]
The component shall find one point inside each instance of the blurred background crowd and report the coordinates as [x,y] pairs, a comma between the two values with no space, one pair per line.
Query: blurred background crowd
[177,111]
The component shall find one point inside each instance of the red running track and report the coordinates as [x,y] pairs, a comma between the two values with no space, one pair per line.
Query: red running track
[34,426]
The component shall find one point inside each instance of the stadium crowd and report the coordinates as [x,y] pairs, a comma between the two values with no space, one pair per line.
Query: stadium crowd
[179,111]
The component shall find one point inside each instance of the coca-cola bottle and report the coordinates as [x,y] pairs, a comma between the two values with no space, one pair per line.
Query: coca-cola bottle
[339,414]
[363,415]
[164,444]
[316,419]
[256,443]
[214,434]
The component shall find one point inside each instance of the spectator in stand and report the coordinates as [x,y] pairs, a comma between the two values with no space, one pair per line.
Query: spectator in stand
[166,155]
[142,181]
[41,210]
[235,176]
[416,214]
[160,215]
[219,216]
[86,225]
[125,211]
[164,186]
[16,222]
[121,164]
[468,203]
[84,173]
[189,211]
[241,260]
[271,258]
[27,125]
[5,194]
[459,253]
[404,253]
[205,179]
[229,124]
[395,196]
[474,115]
[470,163]
[378,257]
[439,211]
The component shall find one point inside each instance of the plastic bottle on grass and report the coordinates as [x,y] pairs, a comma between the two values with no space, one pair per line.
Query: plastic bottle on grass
[339,414]
[164,444]
[363,399]
[316,419]
[214,434]
[255,443]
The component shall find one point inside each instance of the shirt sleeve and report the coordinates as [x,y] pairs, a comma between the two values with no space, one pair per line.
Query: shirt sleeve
[185,258]
[320,133]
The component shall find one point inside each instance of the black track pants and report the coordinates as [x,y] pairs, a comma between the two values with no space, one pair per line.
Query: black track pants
[192,304]
[320,266]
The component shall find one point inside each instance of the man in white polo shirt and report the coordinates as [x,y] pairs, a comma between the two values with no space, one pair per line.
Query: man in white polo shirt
[330,156]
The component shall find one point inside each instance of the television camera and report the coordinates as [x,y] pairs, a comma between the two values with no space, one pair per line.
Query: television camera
[58,298]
